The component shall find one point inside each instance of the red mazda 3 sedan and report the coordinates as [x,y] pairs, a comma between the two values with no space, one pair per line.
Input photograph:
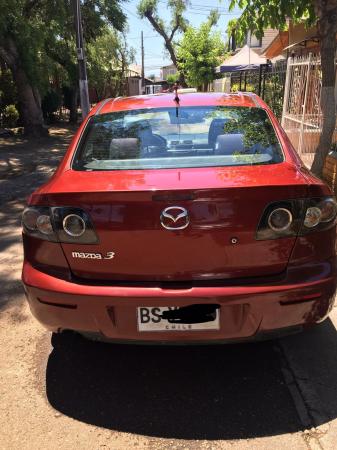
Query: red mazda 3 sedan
[185,218]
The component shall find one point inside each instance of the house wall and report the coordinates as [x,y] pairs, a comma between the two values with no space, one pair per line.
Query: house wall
[299,32]
[268,37]
[168,70]
[133,86]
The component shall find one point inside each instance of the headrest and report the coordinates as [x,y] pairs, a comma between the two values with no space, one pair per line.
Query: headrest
[124,148]
[216,127]
[228,144]
[139,126]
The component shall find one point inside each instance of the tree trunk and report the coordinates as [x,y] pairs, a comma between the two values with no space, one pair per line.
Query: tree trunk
[29,97]
[29,105]
[168,45]
[327,14]
[73,115]
[170,49]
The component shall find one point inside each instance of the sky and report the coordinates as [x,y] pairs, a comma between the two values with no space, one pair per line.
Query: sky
[155,56]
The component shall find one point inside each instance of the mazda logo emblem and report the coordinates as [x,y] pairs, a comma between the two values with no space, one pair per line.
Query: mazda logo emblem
[174,218]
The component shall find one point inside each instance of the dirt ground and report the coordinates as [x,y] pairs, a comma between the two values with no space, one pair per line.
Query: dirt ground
[62,392]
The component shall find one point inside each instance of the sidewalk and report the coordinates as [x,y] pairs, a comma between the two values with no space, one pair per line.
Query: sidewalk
[312,360]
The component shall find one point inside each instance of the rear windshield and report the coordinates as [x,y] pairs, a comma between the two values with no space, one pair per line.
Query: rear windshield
[178,137]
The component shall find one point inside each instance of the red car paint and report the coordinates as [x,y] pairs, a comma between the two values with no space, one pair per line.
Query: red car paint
[260,285]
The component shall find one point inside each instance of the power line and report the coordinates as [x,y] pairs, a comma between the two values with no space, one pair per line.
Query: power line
[209,7]
[220,10]
[145,37]
[206,13]
[156,55]
[159,66]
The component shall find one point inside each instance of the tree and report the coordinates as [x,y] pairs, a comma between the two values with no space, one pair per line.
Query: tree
[199,52]
[108,58]
[172,78]
[97,17]
[32,30]
[21,39]
[259,14]
[8,94]
[149,9]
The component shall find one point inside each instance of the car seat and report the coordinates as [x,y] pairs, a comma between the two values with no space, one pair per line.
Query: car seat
[228,144]
[143,130]
[215,129]
[125,148]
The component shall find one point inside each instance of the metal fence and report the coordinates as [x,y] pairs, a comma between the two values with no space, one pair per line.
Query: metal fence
[268,82]
[302,116]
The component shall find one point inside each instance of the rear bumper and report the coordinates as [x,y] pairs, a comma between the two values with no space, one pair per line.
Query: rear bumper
[304,297]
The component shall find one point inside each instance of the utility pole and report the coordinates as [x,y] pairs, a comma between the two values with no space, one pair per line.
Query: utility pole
[143,69]
[82,68]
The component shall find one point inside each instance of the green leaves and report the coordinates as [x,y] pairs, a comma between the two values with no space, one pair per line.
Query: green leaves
[258,15]
[108,57]
[43,31]
[199,52]
[147,7]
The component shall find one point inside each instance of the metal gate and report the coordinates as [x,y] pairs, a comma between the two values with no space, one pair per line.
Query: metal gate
[302,116]
[268,82]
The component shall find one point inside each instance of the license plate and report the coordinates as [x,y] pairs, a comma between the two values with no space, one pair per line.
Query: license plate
[150,319]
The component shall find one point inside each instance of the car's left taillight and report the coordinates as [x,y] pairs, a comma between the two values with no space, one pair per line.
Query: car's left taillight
[37,222]
[59,224]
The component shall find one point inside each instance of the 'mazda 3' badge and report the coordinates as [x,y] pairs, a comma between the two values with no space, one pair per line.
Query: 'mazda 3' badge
[82,255]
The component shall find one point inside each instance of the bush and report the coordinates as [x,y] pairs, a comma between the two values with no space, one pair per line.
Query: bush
[236,87]
[10,116]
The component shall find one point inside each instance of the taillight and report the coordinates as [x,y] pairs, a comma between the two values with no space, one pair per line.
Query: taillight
[320,214]
[37,222]
[297,217]
[59,224]
[74,225]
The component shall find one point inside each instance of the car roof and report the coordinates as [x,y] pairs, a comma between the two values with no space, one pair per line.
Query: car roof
[165,100]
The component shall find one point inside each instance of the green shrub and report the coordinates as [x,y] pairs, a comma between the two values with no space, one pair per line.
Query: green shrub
[10,116]
[236,87]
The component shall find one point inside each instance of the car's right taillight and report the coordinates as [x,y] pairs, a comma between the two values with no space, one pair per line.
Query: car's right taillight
[320,214]
[297,217]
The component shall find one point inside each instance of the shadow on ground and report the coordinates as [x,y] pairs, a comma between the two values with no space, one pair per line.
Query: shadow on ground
[191,392]
[26,164]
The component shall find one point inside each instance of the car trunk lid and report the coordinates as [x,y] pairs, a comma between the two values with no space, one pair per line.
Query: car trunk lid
[218,243]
